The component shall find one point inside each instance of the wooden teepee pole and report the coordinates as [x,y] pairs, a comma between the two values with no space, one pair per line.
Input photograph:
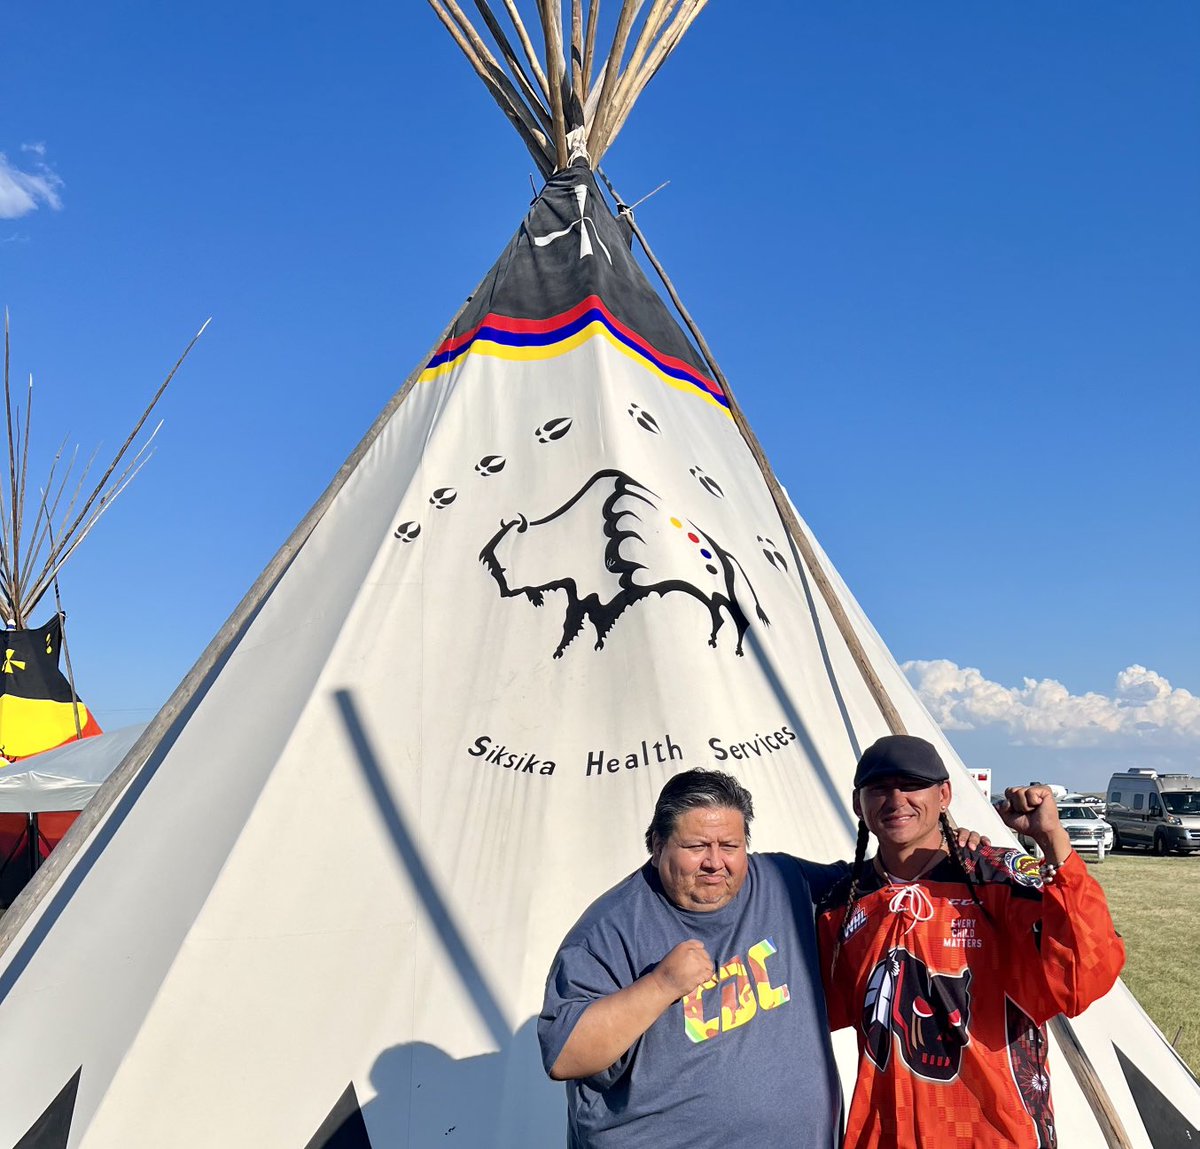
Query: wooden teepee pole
[527,47]
[555,71]
[612,70]
[494,79]
[533,97]
[13,528]
[589,46]
[578,80]
[666,44]
[651,26]
[62,634]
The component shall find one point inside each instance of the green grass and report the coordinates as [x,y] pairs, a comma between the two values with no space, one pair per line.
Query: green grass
[1155,903]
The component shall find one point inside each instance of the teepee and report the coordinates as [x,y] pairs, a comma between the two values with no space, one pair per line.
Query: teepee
[39,707]
[555,571]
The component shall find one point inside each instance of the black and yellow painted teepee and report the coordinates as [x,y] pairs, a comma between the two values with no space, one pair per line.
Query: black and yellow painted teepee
[39,706]
[315,906]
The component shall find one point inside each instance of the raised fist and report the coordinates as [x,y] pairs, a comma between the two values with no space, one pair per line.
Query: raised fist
[685,967]
[1030,810]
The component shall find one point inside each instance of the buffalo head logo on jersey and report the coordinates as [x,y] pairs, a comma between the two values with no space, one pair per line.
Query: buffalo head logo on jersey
[928,1013]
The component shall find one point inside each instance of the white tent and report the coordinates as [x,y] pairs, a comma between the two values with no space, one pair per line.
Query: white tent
[553,573]
[67,777]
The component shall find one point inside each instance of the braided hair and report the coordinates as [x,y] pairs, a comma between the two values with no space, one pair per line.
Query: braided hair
[968,872]
[860,853]
[860,850]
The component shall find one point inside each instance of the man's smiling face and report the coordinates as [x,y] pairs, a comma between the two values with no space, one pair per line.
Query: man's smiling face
[903,812]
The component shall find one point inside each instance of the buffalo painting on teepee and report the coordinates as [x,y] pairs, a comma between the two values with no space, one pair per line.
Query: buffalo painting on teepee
[555,572]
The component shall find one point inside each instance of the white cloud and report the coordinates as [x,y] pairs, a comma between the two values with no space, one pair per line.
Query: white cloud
[24,191]
[1144,711]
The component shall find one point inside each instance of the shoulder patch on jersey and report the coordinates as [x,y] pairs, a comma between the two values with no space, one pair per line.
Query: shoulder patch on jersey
[1023,869]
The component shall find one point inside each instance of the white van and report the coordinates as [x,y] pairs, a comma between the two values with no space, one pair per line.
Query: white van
[1158,811]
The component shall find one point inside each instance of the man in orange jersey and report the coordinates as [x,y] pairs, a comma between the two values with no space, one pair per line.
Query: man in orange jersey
[948,961]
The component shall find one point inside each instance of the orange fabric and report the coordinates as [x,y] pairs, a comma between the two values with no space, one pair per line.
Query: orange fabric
[52,825]
[949,1011]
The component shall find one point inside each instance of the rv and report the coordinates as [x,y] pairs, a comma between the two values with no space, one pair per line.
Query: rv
[1158,811]
[983,779]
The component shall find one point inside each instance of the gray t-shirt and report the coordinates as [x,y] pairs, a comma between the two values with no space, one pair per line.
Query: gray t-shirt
[744,1061]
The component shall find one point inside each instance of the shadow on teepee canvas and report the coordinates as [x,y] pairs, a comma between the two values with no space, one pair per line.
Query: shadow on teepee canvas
[453,943]
[417,1085]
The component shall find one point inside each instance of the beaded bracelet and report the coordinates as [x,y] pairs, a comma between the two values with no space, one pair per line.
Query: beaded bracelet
[1049,870]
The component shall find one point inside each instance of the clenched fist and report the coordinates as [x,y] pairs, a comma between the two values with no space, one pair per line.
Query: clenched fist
[685,967]
[1030,810]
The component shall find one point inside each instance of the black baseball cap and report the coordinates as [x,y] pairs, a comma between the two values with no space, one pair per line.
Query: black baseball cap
[900,756]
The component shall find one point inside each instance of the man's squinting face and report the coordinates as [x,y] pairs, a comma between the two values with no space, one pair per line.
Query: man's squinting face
[703,864]
[902,812]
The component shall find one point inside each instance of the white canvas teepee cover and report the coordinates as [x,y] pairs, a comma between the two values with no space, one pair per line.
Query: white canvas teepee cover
[554,578]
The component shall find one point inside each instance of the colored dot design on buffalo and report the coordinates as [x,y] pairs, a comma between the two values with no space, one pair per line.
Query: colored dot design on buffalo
[407,532]
[694,538]
[490,465]
[772,554]
[443,497]
[707,482]
[644,419]
[552,429]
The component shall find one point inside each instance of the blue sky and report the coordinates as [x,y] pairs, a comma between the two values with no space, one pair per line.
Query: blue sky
[948,255]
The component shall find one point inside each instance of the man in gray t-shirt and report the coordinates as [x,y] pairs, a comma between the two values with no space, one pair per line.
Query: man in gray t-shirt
[685,1007]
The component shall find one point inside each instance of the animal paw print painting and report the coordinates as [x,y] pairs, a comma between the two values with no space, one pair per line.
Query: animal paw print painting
[490,465]
[552,430]
[644,419]
[707,482]
[772,554]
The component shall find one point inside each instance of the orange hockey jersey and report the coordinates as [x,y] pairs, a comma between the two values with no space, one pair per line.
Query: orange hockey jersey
[949,1003]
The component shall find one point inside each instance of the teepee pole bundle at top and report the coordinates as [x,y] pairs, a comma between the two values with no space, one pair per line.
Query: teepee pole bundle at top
[388,672]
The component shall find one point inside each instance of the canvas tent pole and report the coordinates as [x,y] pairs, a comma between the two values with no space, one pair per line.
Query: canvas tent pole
[62,634]
[658,55]
[578,82]
[193,683]
[532,95]
[500,87]
[1073,1052]
[589,46]
[612,70]
[527,47]
[555,71]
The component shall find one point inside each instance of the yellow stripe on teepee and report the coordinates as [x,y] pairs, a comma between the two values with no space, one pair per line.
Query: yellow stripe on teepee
[493,350]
